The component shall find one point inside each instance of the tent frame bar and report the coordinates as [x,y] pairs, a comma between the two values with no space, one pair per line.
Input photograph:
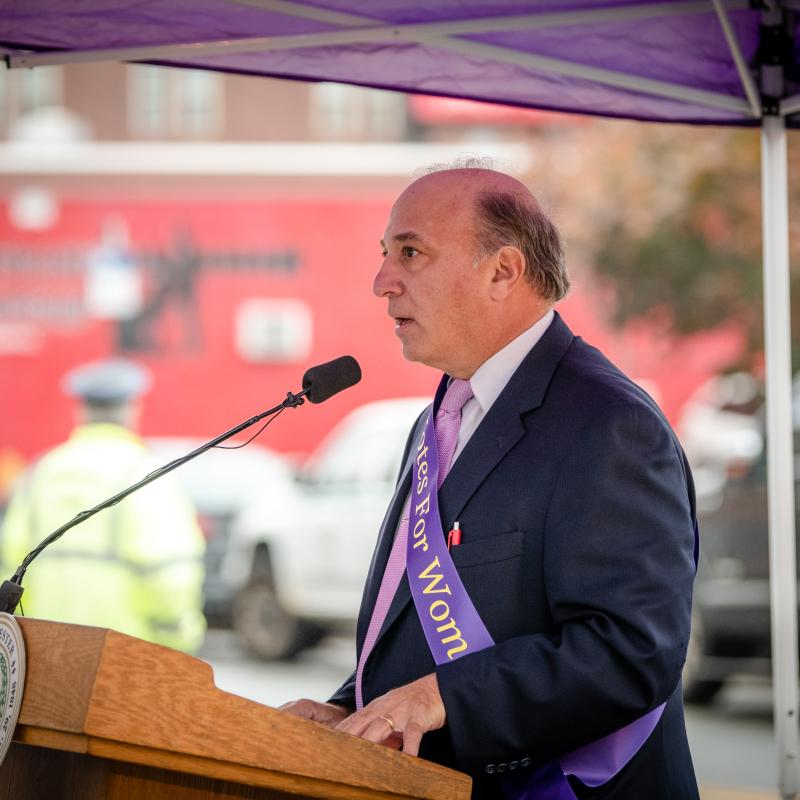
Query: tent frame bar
[434,34]
[746,77]
[790,105]
[361,35]
[493,24]
[607,77]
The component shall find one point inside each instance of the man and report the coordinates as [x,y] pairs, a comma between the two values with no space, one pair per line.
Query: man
[137,566]
[575,512]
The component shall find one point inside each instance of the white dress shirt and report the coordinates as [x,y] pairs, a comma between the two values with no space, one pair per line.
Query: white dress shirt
[488,381]
[492,376]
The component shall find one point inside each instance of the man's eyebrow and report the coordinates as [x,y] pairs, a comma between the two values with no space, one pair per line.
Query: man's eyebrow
[408,236]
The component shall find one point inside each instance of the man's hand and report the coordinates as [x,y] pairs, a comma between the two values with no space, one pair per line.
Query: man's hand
[401,716]
[328,714]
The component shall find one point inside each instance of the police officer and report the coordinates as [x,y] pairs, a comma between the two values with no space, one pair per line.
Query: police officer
[136,567]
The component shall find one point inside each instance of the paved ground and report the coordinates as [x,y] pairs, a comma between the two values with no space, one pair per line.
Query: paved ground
[722,793]
[732,740]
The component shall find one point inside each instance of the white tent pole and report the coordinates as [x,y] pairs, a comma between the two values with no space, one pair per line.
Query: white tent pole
[780,429]
[780,456]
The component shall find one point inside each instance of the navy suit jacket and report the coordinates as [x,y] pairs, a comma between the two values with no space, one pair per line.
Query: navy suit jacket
[577,506]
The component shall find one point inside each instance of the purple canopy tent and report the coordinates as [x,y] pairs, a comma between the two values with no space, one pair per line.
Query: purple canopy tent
[721,62]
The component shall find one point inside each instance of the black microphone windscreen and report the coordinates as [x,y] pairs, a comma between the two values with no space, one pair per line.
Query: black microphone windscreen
[325,380]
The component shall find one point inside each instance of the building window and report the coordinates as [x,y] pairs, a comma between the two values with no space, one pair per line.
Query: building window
[5,77]
[32,99]
[329,118]
[149,107]
[385,114]
[352,112]
[25,90]
[200,95]
[174,103]
[40,87]
[273,330]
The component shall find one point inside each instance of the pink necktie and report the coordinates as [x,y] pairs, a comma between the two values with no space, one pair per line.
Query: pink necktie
[447,424]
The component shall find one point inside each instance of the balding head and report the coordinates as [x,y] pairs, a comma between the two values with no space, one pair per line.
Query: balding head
[478,178]
[505,213]
[462,271]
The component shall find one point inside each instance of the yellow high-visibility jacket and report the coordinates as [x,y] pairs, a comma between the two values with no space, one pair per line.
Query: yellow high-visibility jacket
[136,567]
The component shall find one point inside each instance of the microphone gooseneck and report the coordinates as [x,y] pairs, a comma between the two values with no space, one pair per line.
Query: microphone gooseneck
[319,383]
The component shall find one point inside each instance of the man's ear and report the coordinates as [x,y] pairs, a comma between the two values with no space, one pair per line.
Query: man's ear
[509,270]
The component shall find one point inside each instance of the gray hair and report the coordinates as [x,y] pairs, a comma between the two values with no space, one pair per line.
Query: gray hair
[465,161]
[510,219]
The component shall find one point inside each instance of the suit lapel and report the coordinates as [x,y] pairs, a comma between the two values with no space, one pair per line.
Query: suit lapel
[502,427]
[497,433]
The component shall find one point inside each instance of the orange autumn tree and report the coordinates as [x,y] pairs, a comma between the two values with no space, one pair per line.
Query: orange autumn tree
[679,241]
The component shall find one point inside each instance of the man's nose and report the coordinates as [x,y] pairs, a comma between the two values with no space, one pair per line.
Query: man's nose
[386,281]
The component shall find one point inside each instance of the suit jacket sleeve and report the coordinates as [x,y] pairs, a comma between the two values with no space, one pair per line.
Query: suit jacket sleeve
[345,695]
[617,569]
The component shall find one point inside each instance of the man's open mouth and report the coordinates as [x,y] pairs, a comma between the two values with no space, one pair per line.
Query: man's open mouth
[401,322]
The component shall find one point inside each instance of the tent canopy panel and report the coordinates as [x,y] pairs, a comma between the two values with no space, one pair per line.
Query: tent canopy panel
[642,59]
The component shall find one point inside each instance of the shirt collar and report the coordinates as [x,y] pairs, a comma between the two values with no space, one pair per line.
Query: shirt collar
[492,376]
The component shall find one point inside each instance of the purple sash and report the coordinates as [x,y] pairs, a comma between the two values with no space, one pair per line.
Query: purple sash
[453,628]
[450,622]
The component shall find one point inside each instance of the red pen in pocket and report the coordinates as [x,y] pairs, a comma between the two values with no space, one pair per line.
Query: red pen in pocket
[454,537]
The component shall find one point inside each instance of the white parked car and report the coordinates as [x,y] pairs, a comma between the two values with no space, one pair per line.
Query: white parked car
[297,562]
[220,482]
[720,433]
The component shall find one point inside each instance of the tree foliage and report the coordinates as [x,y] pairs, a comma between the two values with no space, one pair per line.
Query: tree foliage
[690,261]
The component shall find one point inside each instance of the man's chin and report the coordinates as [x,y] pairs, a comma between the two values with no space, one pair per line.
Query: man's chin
[409,352]
[412,352]
[419,356]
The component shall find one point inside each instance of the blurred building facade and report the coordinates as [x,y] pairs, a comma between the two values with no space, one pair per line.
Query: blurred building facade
[224,230]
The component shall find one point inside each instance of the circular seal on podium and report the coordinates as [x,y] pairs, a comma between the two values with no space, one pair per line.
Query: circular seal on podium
[12,678]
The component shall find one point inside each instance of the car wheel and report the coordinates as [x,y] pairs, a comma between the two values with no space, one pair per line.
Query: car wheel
[697,688]
[265,628]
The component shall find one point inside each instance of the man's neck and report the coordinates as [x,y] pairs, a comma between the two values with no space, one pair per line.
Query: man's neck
[509,332]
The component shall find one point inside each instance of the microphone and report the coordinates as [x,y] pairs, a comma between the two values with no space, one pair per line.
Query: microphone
[326,380]
[319,383]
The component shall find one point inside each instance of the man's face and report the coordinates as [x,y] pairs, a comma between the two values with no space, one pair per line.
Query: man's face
[436,293]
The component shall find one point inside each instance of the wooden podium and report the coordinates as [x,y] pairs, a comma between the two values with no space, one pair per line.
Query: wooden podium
[106,715]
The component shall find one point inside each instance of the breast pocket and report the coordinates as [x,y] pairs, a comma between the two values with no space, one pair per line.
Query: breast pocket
[488,549]
[493,571]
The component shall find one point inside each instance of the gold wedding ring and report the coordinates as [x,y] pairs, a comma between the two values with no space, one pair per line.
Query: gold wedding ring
[389,720]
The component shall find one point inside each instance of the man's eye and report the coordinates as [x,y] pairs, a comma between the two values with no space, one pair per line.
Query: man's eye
[384,252]
[409,252]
